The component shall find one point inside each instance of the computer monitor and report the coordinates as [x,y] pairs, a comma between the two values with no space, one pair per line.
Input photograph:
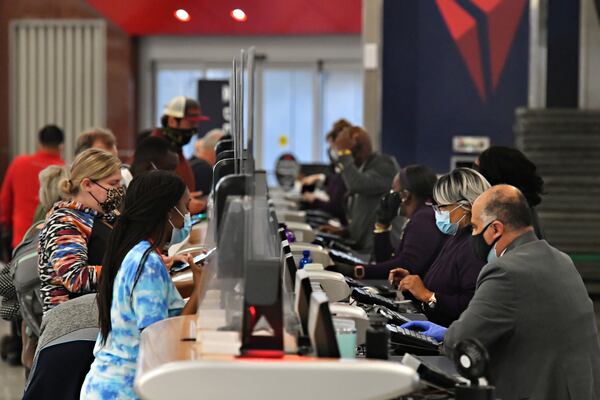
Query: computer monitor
[303,293]
[291,267]
[316,168]
[320,327]
[281,232]
[285,247]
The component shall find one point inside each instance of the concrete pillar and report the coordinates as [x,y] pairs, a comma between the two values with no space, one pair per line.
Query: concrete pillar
[372,44]
[589,56]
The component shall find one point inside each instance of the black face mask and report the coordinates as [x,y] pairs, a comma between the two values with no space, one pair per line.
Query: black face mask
[179,137]
[114,197]
[480,248]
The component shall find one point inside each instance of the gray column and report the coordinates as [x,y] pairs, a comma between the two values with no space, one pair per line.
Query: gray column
[538,51]
[372,43]
[589,57]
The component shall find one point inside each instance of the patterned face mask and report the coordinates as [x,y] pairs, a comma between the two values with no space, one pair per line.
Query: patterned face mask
[114,197]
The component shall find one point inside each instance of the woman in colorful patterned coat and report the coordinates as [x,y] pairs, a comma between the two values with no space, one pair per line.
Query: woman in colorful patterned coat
[93,189]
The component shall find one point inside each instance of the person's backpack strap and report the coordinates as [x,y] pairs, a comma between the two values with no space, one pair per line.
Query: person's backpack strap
[29,237]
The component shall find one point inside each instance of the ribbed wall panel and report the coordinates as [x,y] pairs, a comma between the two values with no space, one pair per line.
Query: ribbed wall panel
[565,146]
[58,76]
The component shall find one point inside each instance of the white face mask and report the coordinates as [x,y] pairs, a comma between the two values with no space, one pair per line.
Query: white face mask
[333,154]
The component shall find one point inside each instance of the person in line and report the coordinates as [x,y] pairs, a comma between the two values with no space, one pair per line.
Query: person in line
[531,310]
[136,289]
[103,139]
[156,153]
[153,153]
[72,242]
[179,122]
[96,138]
[204,159]
[49,192]
[18,202]
[335,188]
[509,166]
[19,195]
[64,350]
[368,176]
[412,191]
[448,286]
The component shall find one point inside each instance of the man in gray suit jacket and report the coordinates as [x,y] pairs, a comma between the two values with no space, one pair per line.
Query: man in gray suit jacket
[530,309]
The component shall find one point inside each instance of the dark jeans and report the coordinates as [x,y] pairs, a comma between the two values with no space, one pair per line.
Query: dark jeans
[60,371]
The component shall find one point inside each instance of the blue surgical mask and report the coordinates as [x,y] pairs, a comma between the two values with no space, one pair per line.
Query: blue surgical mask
[442,220]
[179,234]
[492,255]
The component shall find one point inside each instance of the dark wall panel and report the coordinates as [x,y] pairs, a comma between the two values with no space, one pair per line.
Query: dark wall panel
[451,68]
[563,54]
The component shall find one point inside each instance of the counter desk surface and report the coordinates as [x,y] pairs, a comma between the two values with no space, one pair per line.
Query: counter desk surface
[171,366]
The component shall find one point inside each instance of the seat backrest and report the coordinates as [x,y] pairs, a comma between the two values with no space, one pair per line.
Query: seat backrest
[223,145]
[225,154]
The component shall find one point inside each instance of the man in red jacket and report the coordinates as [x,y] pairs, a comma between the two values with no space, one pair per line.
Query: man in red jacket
[19,195]
[179,123]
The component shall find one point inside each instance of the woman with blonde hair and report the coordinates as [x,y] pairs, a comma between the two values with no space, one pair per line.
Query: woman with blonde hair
[93,190]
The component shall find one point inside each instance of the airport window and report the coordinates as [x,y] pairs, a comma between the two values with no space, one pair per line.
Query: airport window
[342,98]
[299,104]
[287,114]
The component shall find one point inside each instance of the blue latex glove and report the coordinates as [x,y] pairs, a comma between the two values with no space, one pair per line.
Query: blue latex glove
[427,328]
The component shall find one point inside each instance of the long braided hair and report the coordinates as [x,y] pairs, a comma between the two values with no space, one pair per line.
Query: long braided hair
[145,213]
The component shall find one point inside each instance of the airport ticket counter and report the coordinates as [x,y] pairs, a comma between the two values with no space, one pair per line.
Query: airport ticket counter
[174,361]
[272,325]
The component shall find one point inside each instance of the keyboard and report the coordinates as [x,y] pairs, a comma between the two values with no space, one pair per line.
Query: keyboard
[412,341]
[397,318]
[346,258]
[353,282]
[365,297]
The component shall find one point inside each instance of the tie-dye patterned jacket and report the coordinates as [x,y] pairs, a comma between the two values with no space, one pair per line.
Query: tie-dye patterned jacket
[63,254]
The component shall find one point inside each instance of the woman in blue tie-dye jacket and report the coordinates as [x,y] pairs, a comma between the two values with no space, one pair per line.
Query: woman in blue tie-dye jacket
[135,288]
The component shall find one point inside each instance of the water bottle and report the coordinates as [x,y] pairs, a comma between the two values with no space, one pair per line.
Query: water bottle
[378,338]
[305,259]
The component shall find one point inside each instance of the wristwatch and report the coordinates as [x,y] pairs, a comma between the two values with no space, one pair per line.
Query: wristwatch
[359,272]
[432,301]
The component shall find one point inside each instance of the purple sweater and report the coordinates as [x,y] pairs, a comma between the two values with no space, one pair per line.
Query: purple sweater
[421,243]
[452,278]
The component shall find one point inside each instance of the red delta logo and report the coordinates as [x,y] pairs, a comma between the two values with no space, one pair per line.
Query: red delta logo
[502,18]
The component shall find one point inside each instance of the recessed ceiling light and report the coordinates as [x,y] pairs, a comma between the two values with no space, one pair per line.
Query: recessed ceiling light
[239,15]
[182,15]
